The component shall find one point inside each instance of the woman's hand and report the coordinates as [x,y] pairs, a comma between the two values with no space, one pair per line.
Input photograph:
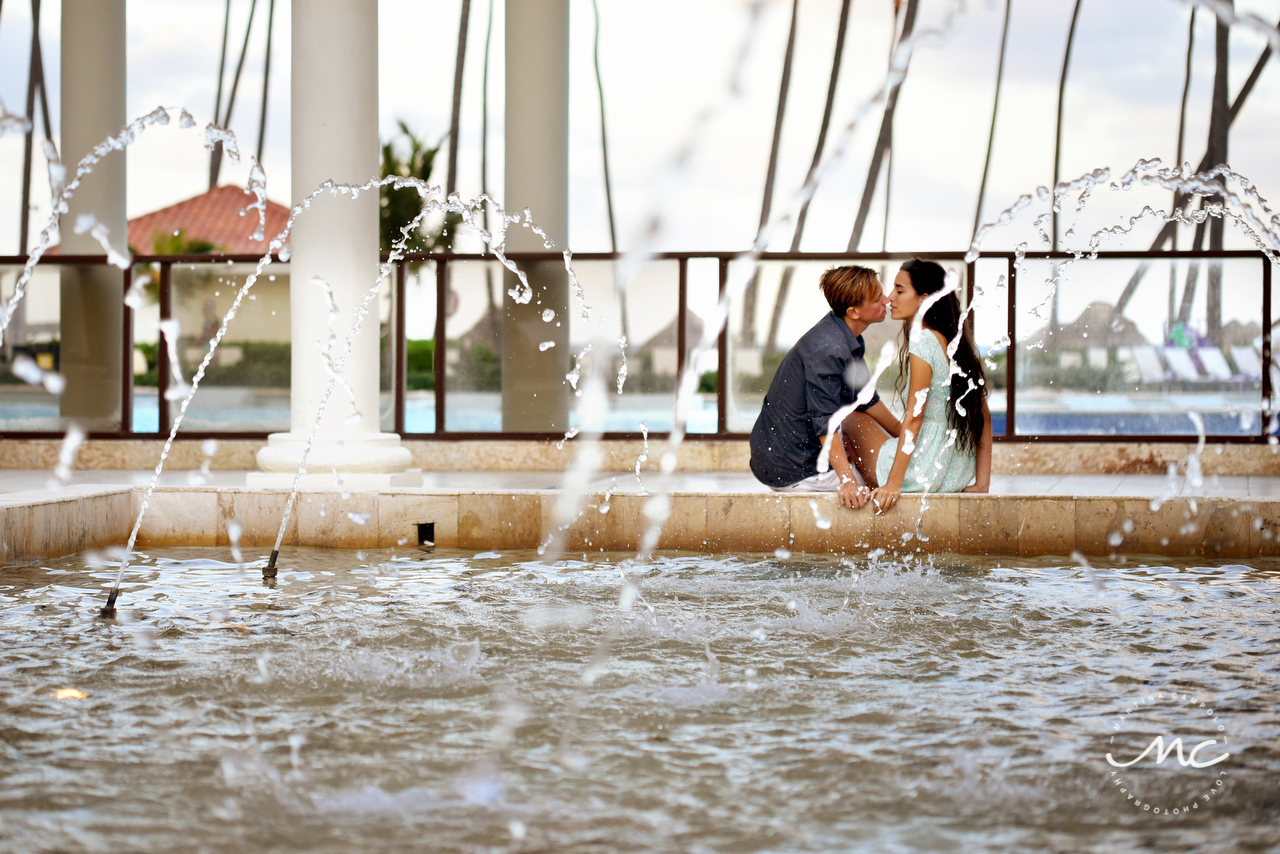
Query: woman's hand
[883,498]
[973,487]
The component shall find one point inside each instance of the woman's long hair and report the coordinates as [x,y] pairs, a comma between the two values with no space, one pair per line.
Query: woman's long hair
[968,381]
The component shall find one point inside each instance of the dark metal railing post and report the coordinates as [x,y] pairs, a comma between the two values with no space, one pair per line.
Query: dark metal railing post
[162,352]
[722,346]
[399,382]
[1010,357]
[440,347]
[1267,390]
[682,316]
[970,270]
[126,354]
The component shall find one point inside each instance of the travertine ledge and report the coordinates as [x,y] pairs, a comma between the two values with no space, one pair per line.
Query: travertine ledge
[54,523]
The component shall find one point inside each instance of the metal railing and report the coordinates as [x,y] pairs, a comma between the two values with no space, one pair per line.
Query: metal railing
[723,260]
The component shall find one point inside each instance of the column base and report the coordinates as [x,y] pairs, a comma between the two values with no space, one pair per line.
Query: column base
[351,482]
[363,461]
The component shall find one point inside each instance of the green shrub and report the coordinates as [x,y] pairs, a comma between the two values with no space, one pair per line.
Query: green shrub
[1043,368]
[266,364]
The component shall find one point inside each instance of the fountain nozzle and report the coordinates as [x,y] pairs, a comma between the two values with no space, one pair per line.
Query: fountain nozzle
[269,571]
[108,611]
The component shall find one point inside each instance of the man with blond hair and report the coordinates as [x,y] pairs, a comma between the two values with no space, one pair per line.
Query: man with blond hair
[824,371]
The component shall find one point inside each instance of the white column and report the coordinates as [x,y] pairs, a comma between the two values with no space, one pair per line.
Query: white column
[335,136]
[535,394]
[92,298]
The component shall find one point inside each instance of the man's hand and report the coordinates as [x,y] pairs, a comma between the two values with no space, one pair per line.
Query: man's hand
[853,494]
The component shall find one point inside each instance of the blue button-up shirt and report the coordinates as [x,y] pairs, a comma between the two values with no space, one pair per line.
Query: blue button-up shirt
[808,388]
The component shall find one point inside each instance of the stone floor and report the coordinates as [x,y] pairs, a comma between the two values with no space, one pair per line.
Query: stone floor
[1035,514]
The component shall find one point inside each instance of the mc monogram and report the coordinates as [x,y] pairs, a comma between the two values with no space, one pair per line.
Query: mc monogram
[1162,753]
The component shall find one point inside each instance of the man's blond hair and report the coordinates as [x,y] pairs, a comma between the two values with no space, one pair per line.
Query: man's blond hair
[848,286]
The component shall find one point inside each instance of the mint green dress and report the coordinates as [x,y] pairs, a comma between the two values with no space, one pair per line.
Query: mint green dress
[937,464]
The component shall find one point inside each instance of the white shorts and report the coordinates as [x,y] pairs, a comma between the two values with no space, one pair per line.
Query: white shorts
[827,481]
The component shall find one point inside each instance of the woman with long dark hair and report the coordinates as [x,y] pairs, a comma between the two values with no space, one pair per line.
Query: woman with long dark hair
[946,428]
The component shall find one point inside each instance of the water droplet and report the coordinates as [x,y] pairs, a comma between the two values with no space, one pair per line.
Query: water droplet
[546,345]
[819,518]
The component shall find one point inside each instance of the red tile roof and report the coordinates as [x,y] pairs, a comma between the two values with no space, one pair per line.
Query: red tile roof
[213,216]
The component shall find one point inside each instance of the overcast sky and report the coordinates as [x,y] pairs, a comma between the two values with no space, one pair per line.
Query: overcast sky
[663,61]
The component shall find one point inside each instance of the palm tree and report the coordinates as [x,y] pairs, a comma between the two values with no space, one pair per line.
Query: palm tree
[399,207]
[784,287]
[1057,137]
[1166,233]
[1219,123]
[748,333]
[995,109]
[883,141]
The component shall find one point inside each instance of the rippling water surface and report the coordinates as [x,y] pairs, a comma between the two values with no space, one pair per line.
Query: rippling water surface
[447,701]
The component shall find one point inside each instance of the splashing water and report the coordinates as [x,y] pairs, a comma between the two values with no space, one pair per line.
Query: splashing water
[171,331]
[235,531]
[1195,476]
[12,122]
[71,443]
[57,172]
[208,448]
[26,369]
[214,135]
[87,222]
[569,434]
[136,296]
[258,187]
[329,349]
[819,518]
[575,374]
[622,368]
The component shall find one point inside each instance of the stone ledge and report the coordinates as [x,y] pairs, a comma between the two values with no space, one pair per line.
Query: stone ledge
[618,455]
[43,525]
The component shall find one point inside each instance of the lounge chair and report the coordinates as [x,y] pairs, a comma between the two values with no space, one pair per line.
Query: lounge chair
[1247,362]
[1181,364]
[1215,364]
[1149,365]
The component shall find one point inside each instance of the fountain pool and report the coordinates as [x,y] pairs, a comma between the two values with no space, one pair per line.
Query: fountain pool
[453,701]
